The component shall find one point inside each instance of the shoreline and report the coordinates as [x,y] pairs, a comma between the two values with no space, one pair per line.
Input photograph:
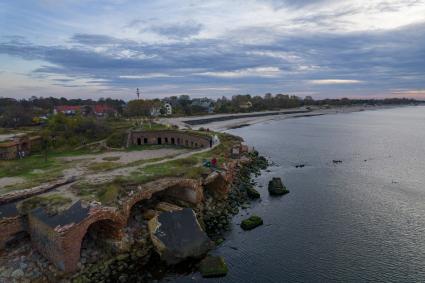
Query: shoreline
[225,122]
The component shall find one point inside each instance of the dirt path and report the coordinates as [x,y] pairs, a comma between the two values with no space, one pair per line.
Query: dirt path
[8,181]
[126,171]
[125,157]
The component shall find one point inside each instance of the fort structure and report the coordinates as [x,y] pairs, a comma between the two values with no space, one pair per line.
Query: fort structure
[170,137]
[64,221]
[59,236]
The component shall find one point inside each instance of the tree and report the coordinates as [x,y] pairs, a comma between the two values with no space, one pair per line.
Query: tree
[139,107]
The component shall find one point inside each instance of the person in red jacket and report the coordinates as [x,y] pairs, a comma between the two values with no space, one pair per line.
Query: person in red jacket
[214,162]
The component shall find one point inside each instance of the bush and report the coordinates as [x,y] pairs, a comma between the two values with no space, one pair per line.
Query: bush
[117,139]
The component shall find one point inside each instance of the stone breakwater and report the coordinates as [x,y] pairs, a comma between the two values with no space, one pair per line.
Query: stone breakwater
[218,212]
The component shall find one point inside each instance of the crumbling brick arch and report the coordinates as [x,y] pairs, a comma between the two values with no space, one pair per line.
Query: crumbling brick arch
[66,246]
[188,190]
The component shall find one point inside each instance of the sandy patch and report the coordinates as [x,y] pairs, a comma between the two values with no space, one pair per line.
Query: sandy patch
[9,181]
[125,157]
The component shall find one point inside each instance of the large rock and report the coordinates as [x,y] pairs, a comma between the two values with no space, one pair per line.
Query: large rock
[251,223]
[276,187]
[213,266]
[177,235]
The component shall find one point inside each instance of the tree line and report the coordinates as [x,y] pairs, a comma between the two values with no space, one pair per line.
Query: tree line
[16,113]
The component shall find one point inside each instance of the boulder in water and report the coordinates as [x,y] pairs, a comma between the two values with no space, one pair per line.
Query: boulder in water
[213,266]
[252,222]
[177,235]
[276,187]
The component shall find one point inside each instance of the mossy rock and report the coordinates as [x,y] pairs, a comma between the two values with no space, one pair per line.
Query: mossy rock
[253,193]
[213,266]
[252,222]
[276,187]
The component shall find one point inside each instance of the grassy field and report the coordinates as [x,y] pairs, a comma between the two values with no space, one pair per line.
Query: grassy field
[190,167]
[35,170]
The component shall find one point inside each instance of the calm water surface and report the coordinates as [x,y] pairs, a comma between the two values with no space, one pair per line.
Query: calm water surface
[359,221]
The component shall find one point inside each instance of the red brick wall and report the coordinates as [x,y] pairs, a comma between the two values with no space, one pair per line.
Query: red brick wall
[63,247]
[168,137]
[9,227]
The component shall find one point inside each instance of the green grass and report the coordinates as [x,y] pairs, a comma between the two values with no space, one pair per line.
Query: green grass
[152,127]
[24,167]
[111,158]
[190,167]
[107,194]
[102,166]
[35,170]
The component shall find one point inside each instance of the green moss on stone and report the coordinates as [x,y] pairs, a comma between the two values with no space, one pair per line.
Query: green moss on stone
[276,187]
[252,222]
[213,266]
[53,203]
[109,194]
[253,193]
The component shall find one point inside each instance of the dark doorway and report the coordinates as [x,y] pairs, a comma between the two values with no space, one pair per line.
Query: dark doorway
[166,140]
[139,141]
[145,140]
[159,141]
[173,141]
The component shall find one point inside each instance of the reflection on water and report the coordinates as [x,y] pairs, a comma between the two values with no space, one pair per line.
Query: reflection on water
[355,221]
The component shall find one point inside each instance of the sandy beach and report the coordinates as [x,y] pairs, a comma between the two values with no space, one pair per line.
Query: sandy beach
[223,122]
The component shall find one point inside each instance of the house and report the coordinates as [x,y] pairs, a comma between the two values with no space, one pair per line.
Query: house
[245,105]
[168,108]
[155,111]
[164,109]
[102,110]
[204,103]
[99,110]
[67,109]
[18,146]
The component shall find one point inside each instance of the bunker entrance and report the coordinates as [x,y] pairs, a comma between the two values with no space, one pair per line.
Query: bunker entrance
[98,241]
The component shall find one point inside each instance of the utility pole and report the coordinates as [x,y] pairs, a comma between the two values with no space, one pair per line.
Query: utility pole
[138,93]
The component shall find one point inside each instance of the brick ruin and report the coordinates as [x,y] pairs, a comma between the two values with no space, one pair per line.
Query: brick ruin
[59,237]
[18,146]
[170,137]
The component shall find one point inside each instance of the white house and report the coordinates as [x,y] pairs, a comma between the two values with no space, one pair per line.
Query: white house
[168,108]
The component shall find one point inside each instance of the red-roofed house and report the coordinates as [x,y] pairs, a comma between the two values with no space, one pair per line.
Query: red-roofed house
[104,110]
[67,109]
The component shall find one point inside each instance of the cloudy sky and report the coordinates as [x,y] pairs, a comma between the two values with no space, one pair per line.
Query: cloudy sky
[108,48]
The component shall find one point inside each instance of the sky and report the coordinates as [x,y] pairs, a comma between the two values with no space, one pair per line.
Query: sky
[214,48]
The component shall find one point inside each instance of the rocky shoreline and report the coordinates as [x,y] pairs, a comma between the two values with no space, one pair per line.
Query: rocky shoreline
[135,258]
[143,264]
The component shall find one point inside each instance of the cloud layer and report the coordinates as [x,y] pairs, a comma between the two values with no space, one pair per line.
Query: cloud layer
[213,48]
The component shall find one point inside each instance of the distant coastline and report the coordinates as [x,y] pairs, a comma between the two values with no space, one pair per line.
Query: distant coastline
[224,122]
